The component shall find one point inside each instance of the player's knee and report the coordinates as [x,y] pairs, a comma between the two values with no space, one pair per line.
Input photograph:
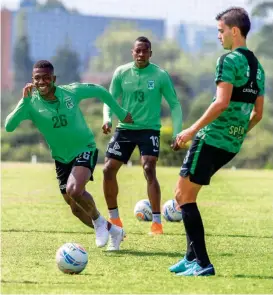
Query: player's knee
[183,197]
[149,172]
[74,191]
[109,172]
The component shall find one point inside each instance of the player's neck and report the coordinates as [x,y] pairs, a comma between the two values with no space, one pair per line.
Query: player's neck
[239,43]
[139,67]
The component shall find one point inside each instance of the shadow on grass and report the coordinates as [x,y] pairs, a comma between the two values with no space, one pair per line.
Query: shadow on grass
[19,282]
[225,254]
[243,276]
[246,276]
[130,233]
[143,253]
[27,282]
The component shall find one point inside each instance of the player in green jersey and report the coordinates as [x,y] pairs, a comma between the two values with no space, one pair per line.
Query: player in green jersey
[55,111]
[219,133]
[140,85]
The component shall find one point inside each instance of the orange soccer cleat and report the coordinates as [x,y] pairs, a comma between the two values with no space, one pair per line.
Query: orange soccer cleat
[116,221]
[156,229]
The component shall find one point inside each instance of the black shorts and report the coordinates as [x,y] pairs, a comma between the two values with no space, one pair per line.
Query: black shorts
[203,160]
[124,141]
[86,159]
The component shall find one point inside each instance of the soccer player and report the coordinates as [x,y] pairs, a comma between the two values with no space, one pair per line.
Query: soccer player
[140,85]
[219,132]
[55,111]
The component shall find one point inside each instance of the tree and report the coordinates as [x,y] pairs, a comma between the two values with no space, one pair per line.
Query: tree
[116,43]
[166,54]
[53,4]
[262,42]
[66,63]
[22,63]
[115,46]
[263,10]
[198,106]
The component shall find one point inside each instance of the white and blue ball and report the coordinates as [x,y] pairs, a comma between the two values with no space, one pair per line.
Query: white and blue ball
[71,258]
[171,211]
[143,210]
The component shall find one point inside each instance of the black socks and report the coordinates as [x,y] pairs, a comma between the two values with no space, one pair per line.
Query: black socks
[196,246]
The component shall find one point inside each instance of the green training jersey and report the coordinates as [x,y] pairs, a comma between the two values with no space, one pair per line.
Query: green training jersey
[61,121]
[229,129]
[141,92]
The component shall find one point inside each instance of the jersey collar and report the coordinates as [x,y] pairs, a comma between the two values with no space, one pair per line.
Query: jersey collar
[242,47]
[57,94]
[143,69]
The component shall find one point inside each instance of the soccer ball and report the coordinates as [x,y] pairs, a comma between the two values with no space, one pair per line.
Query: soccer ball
[143,210]
[71,258]
[171,211]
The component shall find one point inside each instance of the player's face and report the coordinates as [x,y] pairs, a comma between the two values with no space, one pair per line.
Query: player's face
[141,53]
[225,35]
[44,80]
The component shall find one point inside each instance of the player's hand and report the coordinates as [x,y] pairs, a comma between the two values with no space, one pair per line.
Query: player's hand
[128,119]
[27,90]
[183,137]
[175,146]
[106,128]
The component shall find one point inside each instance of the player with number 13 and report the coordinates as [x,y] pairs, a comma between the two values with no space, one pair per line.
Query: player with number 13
[140,85]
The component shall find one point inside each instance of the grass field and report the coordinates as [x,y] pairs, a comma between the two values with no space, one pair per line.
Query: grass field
[236,210]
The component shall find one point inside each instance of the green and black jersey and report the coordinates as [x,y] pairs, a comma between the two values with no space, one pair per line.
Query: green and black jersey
[61,122]
[241,69]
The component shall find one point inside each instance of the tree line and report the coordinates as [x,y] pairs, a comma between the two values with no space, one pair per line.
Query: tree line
[193,77]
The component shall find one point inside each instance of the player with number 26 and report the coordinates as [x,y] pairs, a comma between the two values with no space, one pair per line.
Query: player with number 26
[55,111]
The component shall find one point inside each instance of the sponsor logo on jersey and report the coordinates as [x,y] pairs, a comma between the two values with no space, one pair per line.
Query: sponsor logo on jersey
[249,90]
[69,103]
[151,84]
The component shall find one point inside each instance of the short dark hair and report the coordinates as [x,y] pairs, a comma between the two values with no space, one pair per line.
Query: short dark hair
[43,64]
[236,17]
[145,40]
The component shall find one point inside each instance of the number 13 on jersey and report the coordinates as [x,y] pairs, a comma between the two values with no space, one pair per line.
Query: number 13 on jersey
[139,96]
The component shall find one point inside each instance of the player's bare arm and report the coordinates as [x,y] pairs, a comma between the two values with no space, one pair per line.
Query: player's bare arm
[257,113]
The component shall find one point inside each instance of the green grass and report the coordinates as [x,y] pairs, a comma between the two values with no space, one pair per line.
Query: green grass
[236,210]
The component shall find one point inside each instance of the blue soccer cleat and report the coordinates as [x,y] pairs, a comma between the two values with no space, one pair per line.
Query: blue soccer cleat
[182,265]
[197,270]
